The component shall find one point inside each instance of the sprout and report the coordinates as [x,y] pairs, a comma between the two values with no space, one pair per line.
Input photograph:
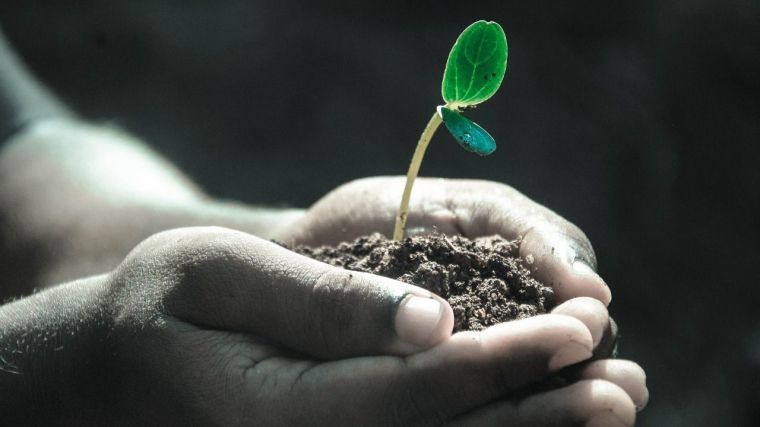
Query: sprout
[474,72]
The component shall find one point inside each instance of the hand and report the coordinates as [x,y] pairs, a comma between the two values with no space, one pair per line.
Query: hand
[562,255]
[217,327]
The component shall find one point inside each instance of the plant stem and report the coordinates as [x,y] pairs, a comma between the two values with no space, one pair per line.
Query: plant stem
[411,175]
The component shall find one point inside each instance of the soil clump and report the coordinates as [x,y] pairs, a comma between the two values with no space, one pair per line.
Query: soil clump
[484,279]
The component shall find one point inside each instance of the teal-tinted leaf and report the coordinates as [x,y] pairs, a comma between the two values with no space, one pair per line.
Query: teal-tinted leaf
[467,133]
[476,65]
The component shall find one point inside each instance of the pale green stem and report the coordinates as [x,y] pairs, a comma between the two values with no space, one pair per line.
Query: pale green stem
[411,175]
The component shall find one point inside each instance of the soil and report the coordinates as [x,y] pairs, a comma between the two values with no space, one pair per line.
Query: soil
[484,279]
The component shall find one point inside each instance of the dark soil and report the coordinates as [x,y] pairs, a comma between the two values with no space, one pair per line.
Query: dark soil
[484,279]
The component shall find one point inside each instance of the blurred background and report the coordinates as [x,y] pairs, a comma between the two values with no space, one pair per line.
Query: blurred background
[638,121]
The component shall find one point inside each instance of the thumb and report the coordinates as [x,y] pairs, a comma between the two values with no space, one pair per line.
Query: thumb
[247,284]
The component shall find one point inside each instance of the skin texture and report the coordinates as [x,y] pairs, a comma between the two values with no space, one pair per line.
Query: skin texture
[215,326]
[163,320]
[156,341]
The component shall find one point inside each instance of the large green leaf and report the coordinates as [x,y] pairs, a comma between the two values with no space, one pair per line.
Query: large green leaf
[476,65]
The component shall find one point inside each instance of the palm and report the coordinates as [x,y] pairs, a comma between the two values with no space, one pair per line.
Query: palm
[469,208]
[225,325]
[471,372]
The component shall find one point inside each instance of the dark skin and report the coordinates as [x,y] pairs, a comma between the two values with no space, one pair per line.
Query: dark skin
[164,320]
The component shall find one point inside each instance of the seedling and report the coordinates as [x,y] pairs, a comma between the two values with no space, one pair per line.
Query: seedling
[473,73]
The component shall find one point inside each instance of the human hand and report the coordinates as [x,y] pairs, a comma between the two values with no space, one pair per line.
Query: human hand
[562,255]
[211,326]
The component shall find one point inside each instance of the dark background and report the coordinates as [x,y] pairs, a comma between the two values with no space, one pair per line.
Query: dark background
[638,121]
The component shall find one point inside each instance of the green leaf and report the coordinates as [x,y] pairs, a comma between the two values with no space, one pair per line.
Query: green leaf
[476,65]
[467,133]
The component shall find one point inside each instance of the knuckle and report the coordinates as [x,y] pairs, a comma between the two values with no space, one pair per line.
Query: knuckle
[144,285]
[202,251]
[179,246]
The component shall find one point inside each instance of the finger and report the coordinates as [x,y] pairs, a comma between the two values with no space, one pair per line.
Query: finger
[561,260]
[626,374]
[235,281]
[466,371]
[593,403]
[594,315]
[560,253]
[591,312]
[521,352]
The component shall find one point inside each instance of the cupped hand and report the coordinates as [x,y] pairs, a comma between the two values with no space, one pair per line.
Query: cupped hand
[562,256]
[217,327]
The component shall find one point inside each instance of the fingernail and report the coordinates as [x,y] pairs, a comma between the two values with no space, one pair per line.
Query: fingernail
[417,320]
[572,353]
[580,267]
[605,420]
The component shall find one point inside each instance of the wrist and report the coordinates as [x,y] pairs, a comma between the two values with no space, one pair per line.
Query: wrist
[53,347]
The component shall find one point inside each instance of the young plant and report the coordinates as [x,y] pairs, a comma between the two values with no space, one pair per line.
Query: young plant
[474,72]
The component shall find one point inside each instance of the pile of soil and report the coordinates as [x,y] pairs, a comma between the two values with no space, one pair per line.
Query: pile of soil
[484,280]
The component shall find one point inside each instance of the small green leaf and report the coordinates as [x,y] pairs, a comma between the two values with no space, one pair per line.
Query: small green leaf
[476,65]
[467,133]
